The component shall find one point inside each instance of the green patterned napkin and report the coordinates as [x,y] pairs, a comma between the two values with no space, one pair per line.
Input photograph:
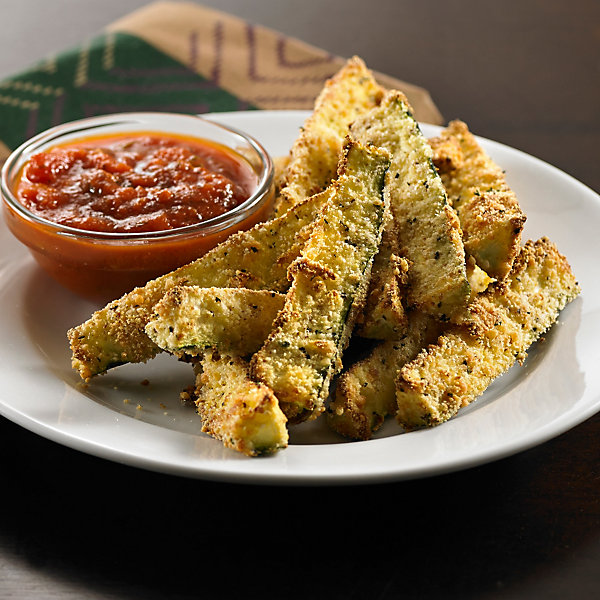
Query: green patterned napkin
[173,57]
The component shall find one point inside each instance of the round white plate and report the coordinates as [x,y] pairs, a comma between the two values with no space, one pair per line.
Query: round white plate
[133,415]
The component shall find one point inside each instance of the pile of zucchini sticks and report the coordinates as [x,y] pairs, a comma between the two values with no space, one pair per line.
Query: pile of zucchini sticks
[379,234]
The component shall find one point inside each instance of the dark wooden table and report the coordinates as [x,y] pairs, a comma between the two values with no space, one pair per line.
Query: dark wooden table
[523,72]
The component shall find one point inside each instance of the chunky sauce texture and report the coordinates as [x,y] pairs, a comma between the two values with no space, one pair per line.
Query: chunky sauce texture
[135,184]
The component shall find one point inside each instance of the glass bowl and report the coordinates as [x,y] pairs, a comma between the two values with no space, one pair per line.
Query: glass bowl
[101,266]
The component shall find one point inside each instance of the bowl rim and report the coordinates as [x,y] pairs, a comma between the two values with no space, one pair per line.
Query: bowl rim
[88,124]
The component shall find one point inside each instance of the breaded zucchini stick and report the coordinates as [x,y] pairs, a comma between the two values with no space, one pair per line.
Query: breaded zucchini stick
[427,228]
[384,316]
[329,282]
[243,414]
[256,259]
[496,330]
[190,319]
[315,153]
[366,393]
[489,213]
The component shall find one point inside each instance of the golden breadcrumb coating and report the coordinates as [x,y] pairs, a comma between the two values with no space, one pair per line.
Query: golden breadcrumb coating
[315,153]
[280,165]
[494,332]
[366,393]
[379,232]
[329,281]
[489,213]
[448,156]
[243,414]
[427,228]
[384,316]
[190,319]
[256,259]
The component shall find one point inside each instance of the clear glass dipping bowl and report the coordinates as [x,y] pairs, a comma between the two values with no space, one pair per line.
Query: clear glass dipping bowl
[101,266]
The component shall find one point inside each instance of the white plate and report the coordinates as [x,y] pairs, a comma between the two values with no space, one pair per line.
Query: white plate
[118,418]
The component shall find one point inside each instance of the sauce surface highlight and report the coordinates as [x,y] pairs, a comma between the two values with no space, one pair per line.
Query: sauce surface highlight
[135,183]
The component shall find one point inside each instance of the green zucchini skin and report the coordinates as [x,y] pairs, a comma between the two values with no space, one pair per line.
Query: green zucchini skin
[329,283]
[427,229]
[256,259]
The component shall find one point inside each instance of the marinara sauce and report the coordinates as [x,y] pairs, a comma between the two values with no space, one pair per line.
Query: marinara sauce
[134,183]
[127,198]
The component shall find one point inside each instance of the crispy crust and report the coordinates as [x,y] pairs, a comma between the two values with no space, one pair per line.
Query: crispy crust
[427,228]
[448,156]
[489,213]
[384,316]
[314,155]
[366,393]
[321,250]
[494,332]
[189,319]
[256,259]
[243,414]
[330,278]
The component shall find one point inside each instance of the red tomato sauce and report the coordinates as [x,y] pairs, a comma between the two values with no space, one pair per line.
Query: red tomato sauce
[135,184]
